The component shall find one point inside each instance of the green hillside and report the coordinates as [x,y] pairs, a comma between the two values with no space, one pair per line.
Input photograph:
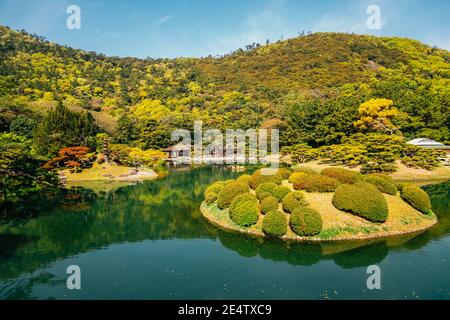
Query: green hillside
[311,86]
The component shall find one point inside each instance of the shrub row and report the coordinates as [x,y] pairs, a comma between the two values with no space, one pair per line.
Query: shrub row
[362,199]
[316,183]
[343,175]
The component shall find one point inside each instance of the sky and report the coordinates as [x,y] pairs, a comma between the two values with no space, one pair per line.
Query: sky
[195,28]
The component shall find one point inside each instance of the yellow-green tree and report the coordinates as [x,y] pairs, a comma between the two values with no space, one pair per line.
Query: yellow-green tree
[377,115]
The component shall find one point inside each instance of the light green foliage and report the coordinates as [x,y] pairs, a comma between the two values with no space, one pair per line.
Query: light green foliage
[269,204]
[305,221]
[265,176]
[293,200]
[229,192]
[274,224]
[382,183]
[417,198]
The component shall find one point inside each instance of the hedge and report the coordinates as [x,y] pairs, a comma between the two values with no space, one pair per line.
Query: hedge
[382,184]
[293,200]
[211,198]
[245,213]
[269,204]
[416,198]
[229,192]
[297,175]
[316,183]
[274,224]
[280,192]
[343,175]
[362,199]
[305,170]
[305,222]
[270,175]
[265,188]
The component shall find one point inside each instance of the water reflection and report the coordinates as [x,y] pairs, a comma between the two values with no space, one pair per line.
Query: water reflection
[77,221]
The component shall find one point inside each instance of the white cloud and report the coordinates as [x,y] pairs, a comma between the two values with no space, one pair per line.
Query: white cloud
[163,19]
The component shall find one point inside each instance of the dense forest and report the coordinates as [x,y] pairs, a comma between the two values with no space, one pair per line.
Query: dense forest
[319,89]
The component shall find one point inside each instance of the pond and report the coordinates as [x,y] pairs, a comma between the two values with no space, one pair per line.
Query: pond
[149,241]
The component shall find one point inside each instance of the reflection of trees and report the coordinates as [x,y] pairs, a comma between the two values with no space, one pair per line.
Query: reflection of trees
[21,289]
[362,257]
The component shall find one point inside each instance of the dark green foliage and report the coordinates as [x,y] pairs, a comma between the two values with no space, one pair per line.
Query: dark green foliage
[264,188]
[245,213]
[269,204]
[229,192]
[293,200]
[63,128]
[265,176]
[383,184]
[305,221]
[362,199]
[274,224]
[417,198]
[280,192]
[316,183]
[23,126]
[342,175]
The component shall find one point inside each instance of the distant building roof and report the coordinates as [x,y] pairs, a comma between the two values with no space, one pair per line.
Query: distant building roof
[425,142]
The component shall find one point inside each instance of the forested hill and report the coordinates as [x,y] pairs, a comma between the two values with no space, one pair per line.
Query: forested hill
[312,86]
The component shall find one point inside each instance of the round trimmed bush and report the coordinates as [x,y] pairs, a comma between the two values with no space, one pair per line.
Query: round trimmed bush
[297,175]
[305,170]
[416,198]
[229,192]
[293,200]
[211,198]
[401,185]
[245,213]
[285,173]
[244,178]
[280,192]
[265,188]
[214,188]
[362,199]
[382,184]
[383,176]
[265,176]
[306,222]
[316,183]
[274,224]
[242,198]
[269,204]
[343,175]
[264,195]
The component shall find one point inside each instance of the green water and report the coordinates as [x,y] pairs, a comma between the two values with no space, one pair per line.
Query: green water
[149,241]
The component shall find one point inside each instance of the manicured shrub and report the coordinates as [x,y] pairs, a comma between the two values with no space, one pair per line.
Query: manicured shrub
[383,176]
[401,185]
[242,198]
[362,199]
[269,204]
[245,213]
[280,192]
[316,183]
[265,176]
[244,178]
[296,176]
[229,192]
[305,170]
[382,184]
[211,198]
[293,200]
[274,224]
[264,195]
[214,188]
[343,175]
[285,173]
[305,222]
[416,198]
[265,188]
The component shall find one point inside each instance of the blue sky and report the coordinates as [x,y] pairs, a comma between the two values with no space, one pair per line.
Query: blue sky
[173,28]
